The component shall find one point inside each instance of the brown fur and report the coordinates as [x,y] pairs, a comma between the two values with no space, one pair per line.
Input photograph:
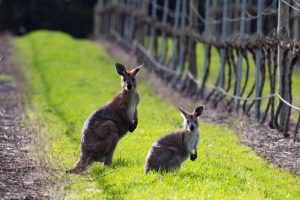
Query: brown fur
[170,151]
[105,127]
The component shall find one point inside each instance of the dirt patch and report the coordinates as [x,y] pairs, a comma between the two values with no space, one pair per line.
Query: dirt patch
[268,143]
[21,176]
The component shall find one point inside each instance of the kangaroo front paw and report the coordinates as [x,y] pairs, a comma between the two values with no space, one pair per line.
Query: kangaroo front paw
[193,157]
[132,127]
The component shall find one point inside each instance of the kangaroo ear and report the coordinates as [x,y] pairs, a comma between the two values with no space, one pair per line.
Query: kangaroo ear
[136,70]
[198,111]
[183,112]
[120,69]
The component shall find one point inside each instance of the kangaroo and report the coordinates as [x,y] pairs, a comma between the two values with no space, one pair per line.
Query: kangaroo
[107,125]
[170,151]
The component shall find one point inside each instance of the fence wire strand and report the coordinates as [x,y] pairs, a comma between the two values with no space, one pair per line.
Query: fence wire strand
[287,3]
[180,68]
[198,81]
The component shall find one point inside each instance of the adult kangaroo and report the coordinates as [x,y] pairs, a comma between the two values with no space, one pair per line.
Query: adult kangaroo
[106,126]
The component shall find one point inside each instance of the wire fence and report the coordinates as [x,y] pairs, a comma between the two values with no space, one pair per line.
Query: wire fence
[234,54]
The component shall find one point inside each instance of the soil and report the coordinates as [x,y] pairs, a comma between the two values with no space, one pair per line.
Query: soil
[21,176]
[268,143]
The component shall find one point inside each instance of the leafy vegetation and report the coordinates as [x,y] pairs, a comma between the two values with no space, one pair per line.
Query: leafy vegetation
[70,78]
[21,17]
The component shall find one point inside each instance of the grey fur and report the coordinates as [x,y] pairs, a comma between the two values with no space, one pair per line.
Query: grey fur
[170,151]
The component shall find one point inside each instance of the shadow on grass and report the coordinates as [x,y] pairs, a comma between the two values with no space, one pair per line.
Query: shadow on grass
[119,162]
[109,189]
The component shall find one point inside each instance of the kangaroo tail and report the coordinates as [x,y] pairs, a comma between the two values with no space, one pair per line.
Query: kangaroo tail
[82,164]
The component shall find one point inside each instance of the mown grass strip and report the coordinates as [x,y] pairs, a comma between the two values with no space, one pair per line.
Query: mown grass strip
[70,78]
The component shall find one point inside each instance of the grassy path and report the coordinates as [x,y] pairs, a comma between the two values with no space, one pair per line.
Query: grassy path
[70,78]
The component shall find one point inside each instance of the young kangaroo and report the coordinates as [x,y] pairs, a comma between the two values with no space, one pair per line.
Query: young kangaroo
[171,150]
[106,126]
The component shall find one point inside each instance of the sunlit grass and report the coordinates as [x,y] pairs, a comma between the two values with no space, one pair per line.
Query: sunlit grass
[5,77]
[71,78]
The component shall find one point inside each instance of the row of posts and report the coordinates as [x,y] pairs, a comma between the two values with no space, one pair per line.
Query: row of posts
[180,22]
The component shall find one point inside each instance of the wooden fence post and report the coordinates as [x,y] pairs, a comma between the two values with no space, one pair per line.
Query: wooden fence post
[182,43]
[240,58]
[214,15]
[139,34]
[126,23]
[131,23]
[163,42]
[175,40]
[235,13]
[96,19]
[258,58]
[145,7]
[113,18]
[248,21]
[192,50]
[296,25]
[224,35]
[284,31]
[153,41]
[207,25]
[105,19]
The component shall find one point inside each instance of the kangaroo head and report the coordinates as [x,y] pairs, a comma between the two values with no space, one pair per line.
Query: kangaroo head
[128,81]
[191,119]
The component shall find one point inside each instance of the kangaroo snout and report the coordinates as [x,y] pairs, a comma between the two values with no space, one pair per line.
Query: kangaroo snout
[192,127]
[129,86]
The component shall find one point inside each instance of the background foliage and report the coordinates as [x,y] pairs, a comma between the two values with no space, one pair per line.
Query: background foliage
[72,16]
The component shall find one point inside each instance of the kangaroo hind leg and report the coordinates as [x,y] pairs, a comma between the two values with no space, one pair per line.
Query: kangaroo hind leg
[173,164]
[108,139]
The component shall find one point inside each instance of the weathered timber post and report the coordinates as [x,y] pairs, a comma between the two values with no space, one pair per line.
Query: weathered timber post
[177,81]
[207,26]
[236,12]
[145,8]
[97,20]
[249,20]
[163,40]
[223,50]
[214,15]
[139,26]
[126,23]
[182,43]
[175,40]
[296,25]
[142,29]
[296,31]
[131,23]
[113,17]
[283,30]
[153,41]
[258,58]
[192,50]
[240,58]
[106,19]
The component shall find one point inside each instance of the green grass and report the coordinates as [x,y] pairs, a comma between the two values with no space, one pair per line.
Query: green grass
[70,78]
[5,77]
